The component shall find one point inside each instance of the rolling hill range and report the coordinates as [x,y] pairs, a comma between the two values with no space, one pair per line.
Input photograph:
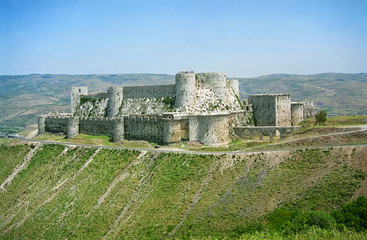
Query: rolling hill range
[22,97]
[65,192]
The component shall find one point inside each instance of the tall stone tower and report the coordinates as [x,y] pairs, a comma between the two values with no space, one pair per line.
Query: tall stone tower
[76,92]
[185,88]
[215,81]
[115,95]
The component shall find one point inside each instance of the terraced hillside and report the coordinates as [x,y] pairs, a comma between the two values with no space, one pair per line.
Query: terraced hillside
[57,192]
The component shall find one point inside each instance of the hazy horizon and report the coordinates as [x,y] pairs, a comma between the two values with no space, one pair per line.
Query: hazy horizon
[241,38]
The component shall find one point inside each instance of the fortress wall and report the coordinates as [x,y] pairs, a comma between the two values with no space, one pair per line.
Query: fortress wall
[215,81]
[308,110]
[296,113]
[185,88]
[264,109]
[172,131]
[144,127]
[95,95]
[103,126]
[283,111]
[56,124]
[209,129]
[155,91]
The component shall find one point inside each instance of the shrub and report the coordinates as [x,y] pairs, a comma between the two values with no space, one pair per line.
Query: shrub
[320,219]
[353,214]
[320,116]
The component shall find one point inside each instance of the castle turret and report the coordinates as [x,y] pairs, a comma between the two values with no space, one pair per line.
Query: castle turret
[72,127]
[214,81]
[185,88]
[76,92]
[41,123]
[233,86]
[115,95]
[118,129]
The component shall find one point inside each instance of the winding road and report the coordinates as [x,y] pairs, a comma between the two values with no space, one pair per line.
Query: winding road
[364,128]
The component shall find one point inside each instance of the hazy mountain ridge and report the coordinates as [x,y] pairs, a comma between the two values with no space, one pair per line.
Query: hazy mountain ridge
[22,97]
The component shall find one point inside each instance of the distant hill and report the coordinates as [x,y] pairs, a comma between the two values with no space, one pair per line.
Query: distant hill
[22,97]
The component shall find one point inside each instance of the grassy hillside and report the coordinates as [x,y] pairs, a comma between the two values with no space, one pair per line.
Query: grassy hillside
[57,192]
[23,97]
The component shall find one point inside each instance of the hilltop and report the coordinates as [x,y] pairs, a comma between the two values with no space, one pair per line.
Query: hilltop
[25,96]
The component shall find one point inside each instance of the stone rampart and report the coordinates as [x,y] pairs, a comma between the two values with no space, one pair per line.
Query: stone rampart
[283,110]
[264,109]
[155,91]
[110,126]
[209,129]
[308,109]
[95,95]
[297,112]
[271,109]
[144,127]
[56,124]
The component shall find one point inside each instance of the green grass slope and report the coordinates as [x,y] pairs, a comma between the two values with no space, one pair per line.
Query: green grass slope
[88,193]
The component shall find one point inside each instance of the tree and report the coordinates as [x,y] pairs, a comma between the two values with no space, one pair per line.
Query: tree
[320,116]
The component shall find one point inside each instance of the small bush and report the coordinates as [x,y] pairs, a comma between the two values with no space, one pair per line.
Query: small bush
[353,214]
[320,117]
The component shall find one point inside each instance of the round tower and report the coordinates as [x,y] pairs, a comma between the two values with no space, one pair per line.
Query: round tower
[233,87]
[76,92]
[185,88]
[216,82]
[41,124]
[118,129]
[115,96]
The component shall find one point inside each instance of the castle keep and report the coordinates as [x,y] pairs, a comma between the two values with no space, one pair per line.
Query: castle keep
[202,107]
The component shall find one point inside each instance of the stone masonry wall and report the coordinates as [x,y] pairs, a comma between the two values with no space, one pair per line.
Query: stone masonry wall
[297,113]
[214,81]
[283,110]
[209,129]
[76,92]
[264,109]
[155,91]
[308,110]
[56,124]
[101,126]
[144,127]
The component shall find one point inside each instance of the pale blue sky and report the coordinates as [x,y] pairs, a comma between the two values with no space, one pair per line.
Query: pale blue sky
[241,38]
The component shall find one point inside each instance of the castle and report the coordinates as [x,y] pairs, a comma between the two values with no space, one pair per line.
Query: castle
[203,107]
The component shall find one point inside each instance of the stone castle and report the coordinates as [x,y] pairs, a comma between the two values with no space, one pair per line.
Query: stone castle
[203,107]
